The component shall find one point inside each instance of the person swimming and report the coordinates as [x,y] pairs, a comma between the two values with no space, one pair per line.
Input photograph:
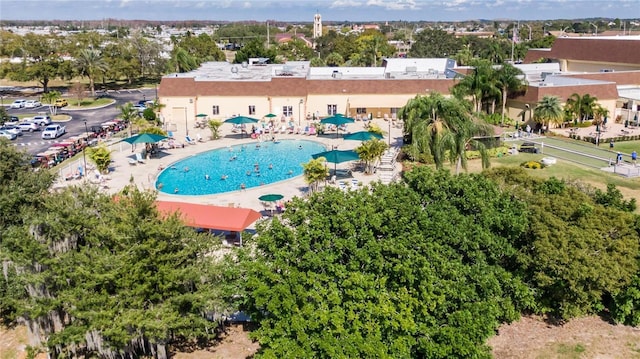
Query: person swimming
[224,177]
[176,190]
[186,169]
[248,173]
[270,166]
[290,172]
[242,186]
[207,177]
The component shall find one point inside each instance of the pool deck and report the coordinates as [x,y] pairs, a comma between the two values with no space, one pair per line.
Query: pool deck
[144,175]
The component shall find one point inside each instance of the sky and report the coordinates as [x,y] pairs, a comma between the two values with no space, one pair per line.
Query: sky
[330,10]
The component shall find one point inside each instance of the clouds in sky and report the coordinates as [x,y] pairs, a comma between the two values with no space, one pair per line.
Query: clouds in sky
[303,10]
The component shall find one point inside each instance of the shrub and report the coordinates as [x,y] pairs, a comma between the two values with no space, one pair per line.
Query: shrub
[534,165]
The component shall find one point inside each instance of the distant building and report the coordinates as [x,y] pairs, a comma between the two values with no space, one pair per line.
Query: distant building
[317,26]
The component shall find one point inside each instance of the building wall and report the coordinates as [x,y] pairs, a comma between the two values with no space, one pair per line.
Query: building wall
[584,66]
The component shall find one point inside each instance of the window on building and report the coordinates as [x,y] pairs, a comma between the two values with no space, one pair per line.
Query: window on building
[332,109]
[361,110]
[215,110]
[252,110]
[287,111]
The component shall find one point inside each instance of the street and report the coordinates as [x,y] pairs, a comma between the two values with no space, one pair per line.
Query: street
[33,144]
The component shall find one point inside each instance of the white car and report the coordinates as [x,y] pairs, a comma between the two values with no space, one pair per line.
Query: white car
[18,104]
[41,120]
[7,135]
[32,104]
[28,126]
[12,129]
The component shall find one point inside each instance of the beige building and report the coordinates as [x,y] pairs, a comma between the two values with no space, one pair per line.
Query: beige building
[296,92]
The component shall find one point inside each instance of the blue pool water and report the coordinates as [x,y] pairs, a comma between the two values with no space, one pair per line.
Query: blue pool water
[276,161]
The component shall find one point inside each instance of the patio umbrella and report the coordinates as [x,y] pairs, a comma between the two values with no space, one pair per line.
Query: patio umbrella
[336,156]
[271,197]
[362,136]
[239,120]
[144,138]
[201,115]
[270,115]
[337,120]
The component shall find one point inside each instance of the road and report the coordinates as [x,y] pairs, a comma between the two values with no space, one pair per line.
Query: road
[32,143]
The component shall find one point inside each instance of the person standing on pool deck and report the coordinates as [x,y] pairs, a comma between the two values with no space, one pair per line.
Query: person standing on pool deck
[634,157]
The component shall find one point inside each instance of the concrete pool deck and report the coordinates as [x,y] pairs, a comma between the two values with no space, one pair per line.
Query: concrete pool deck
[144,174]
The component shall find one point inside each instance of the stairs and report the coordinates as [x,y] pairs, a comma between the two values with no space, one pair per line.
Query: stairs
[386,169]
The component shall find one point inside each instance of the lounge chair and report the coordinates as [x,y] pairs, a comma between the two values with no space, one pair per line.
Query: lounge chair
[139,157]
[355,183]
[133,161]
[199,138]
[190,140]
[342,185]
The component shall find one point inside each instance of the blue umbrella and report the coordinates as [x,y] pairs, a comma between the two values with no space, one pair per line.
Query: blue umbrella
[337,120]
[362,136]
[144,138]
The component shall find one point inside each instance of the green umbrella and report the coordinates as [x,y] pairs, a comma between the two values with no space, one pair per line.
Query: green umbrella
[270,115]
[238,120]
[337,120]
[271,197]
[336,156]
[363,136]
[201,115]
[144,138]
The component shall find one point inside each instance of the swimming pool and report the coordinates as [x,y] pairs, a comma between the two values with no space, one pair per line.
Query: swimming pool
[227,169]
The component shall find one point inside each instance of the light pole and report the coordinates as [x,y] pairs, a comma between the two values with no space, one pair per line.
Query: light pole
[300,113]
[527,25]
[596,26]
[389,134]
[84,157]
[186,127]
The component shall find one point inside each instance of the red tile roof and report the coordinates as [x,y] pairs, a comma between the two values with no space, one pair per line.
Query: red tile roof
[211,217]
[592,49]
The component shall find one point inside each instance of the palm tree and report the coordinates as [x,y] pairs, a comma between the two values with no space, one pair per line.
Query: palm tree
[509,80]
[440,126]
[91,63]
[315,171]
[465,136]
[182,61]
[477,84]
[548,110]
[128,114]
[582,107]
[50,98]
[370,151]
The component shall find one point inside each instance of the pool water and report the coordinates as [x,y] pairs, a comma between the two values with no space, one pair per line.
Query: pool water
[228,169]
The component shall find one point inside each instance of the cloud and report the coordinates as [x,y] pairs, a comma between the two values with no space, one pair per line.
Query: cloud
[394,5]
[345,3]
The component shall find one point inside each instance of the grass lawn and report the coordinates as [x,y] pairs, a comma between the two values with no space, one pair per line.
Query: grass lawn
[627,146]
[88,102]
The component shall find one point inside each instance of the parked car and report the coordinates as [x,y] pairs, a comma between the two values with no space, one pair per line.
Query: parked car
[140,108]
[7,135]
[53,131]
[11,120]
[12,129]
[28,126]
[18,103]
[41,120]
[61,102]
[32,104]
[529,147]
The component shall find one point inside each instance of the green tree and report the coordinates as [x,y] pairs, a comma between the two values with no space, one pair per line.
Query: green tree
[442,128]
[365,286]
[334,59]
[295,50]
[583,107]
[548,110]
[315,171]
[101,156]
[370,151]
[128,114]
[509,79]
[214,126]
[50,98]
[255,48]
[480,84]
[91,63]
[434,43]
